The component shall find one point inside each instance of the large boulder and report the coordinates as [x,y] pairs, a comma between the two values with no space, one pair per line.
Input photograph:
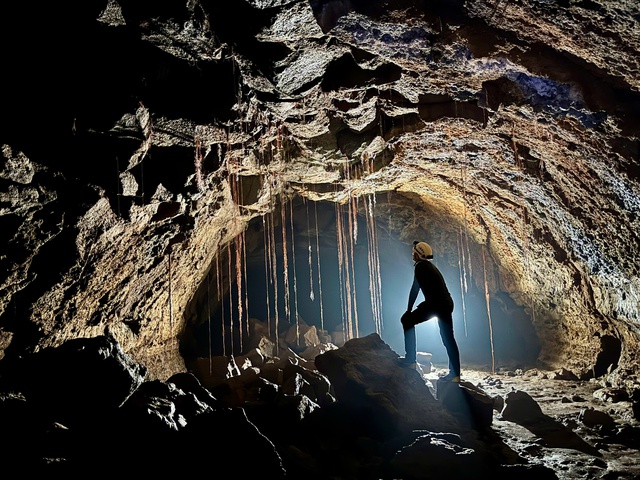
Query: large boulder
[77,379]
[366,375]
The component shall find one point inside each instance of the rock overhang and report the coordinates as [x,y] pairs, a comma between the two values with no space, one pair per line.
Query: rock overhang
[516,133]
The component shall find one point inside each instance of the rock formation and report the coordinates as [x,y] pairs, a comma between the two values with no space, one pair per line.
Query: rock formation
[156,156]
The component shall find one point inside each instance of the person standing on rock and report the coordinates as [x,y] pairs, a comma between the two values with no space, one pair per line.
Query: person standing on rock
[437,303]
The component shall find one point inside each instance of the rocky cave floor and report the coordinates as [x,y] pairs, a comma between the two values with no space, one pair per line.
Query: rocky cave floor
[613,430]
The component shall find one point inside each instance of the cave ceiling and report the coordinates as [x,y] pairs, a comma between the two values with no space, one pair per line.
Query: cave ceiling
[141,139]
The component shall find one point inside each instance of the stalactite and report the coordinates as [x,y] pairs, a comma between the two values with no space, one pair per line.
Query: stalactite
[230,276]
[487,299]
[371,264]
[310,251]
[318,259]
[461,270]
[235,187]
[464,281]
[239,296]
[375,279]
[378,278]
[347,277]
[244,330]
[347,237]
[341,269]
[353,216]
[295,272]
[220,300]
[285,261]
[274,277]
[267,270]
[351,237]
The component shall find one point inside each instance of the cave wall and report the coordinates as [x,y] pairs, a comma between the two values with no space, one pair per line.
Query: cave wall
[126,170]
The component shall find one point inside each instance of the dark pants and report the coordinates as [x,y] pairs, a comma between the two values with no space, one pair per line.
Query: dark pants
[423,312]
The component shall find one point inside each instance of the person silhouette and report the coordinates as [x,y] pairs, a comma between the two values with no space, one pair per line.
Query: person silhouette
[437,304]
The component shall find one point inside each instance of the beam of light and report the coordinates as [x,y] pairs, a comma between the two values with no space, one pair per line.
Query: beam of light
[309,258]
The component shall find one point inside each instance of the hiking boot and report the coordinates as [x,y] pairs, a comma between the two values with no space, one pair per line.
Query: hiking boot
[407,362]
[451,377]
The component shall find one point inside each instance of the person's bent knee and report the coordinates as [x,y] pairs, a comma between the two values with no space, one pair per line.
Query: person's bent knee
[407,320]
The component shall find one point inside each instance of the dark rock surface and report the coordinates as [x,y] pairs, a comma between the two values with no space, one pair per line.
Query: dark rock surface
[384,421]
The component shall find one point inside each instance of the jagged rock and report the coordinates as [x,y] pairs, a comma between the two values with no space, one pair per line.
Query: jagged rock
[99,395]
[218,437]
[273,372]
[596,418]
[320,384]
[365,374]
[300,337]
[81,377]
[288,434]
[467,403]
[611,395]
[563,374]
[189,383]
[253,358]
[310,353]
[520,407]
[438,456]
[137,174]
[246,387]
[214,371]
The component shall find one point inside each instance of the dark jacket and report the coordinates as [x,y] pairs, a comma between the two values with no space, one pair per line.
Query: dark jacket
[428,278]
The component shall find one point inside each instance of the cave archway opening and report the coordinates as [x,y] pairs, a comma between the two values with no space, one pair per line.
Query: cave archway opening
[330,267]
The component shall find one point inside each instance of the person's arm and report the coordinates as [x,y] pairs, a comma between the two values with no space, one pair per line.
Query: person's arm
[413,293]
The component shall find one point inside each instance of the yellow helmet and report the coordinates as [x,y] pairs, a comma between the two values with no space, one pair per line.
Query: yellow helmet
[422,250]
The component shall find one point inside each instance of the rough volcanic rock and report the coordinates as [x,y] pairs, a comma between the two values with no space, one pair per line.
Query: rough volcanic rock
[152,154]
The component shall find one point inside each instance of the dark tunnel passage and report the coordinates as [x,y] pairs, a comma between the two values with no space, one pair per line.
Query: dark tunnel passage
[319,284]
